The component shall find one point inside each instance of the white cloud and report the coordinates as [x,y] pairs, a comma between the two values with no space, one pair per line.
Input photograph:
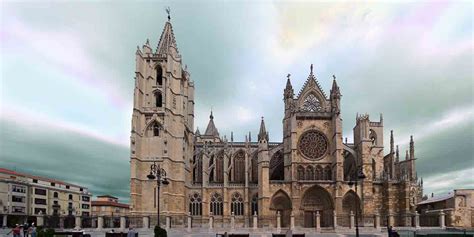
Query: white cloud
[448,181]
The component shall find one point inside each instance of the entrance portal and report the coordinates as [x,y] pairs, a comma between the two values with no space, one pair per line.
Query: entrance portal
[317,199]
[281,203]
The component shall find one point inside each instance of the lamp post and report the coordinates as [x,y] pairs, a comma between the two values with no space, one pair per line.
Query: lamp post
[159,174]
[359,176]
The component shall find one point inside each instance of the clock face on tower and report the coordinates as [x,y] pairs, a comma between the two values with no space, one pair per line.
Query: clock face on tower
[313,145]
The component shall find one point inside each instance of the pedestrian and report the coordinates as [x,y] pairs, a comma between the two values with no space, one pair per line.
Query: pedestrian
[32,230]
[25,230]
[131,232]
[16,231]
[389,229]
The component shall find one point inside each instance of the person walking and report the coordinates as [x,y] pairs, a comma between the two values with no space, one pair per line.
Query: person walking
[25,230]
[32,230]
[16,231]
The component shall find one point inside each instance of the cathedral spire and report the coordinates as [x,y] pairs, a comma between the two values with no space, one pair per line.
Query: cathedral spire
[211,129]
[391,142]
[288,92]
[406,156]
[335,92]
[167,39]
[197,133]
[263,134]
[412,148]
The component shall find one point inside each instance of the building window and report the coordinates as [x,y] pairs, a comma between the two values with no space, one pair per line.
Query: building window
[70,196]
[55,202]
[239,167]
[319,173]
[53,184]
[309,173]
[85,213]
[300,172]
[40,201]
[216,204]
[197,169]
[18,209]
[67,187]
[86,198]
[156,130]
[158,99]
[55,195]
[195,204]
[327,173]
[237,205]
[18,189]
[85,206]
[38,210]
[159,76]
[35,181]
[81,189]
[254,169]
[255,204]
[41,192]
[18,199]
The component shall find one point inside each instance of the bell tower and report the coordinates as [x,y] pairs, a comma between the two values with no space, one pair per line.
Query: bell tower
[162,127]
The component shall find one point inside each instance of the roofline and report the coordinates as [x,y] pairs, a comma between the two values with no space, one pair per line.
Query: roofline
[12,172]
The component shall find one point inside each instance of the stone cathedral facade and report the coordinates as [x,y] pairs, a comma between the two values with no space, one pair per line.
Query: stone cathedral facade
[308,174]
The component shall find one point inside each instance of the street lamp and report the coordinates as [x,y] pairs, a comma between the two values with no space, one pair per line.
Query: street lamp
[158,173]
[360,176]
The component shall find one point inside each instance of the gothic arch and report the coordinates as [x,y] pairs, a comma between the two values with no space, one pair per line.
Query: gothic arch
[153,128]
[239,166]
[309,173]
[159,75]
[319,173]
[158,98]
[277,166]
[317,199]
[219,167]
[197,168]
[373,136]
[281,202]
[350,166]
[300,172]
[254,167]
[349,203]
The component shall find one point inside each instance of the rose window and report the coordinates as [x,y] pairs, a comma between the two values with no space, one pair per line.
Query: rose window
[313,145]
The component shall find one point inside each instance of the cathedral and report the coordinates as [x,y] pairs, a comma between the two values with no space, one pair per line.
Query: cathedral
[312,173]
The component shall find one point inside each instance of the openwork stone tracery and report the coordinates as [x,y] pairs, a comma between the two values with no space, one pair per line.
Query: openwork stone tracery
[313,144]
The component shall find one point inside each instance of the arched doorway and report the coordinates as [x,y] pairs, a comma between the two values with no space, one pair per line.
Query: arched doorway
[350,203]
[317,199]
[281,203]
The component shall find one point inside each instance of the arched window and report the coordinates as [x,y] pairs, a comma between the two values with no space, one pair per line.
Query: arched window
[158,99]
[195,204]
[300,172]
[374,169]
[220,167]
[159,76]
[216,204]
[309,173]
[156,130]
[319,173]
[373,137]
[237,205]
[277,168]
[70,196]
[239,167]
[255,204]
[197,169]
[55,195]
[254,169]
[327,173]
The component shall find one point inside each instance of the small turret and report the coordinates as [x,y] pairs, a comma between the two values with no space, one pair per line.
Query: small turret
[197,133]
[263,134]
[406,156]
[412,148]
[391,142]
[397,155]
[288,92]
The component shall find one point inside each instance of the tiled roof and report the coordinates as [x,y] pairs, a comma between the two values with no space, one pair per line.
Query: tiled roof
[438,198]
[11,172]
[109,203]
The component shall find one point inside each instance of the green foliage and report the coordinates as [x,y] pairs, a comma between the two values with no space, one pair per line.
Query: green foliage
[160,232]
[44,232]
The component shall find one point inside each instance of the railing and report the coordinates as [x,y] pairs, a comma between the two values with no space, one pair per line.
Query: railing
[438,219]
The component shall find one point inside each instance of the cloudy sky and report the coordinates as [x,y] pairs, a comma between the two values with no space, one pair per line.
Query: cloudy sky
[67,77]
